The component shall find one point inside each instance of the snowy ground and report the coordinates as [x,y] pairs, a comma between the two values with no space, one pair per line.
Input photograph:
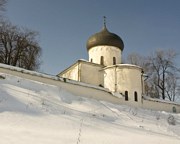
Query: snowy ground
[37,113]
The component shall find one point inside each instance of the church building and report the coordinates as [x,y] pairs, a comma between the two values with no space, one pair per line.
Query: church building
[105,69]
[103,77]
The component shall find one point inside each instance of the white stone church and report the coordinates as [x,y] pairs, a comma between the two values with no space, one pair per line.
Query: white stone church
[103,77]
[105,69]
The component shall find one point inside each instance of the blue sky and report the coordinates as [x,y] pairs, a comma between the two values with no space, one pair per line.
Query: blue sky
[65,26]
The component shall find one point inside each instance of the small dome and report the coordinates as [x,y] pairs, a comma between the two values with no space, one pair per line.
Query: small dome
[104,37]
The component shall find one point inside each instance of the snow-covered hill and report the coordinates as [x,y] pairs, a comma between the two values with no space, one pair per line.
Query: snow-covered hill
[38,113]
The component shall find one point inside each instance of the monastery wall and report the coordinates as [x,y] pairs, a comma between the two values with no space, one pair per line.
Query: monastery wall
[76,88]
[86,90]
[161,105]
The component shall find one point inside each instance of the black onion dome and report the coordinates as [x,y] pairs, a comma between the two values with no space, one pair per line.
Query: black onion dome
[104,37]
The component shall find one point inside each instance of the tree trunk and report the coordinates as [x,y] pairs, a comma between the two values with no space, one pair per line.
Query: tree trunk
[163,86]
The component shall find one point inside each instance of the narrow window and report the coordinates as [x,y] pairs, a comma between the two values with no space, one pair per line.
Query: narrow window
[174,109]
[135,96]
[114,60]
[126,95]
[102,60]
[91,60]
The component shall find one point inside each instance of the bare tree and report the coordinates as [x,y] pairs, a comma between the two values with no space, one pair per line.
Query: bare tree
[172,87]
[163,74]
[162,66]
[139,60]
[19,47]
[135,59]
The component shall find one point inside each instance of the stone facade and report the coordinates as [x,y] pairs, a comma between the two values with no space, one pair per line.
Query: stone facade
[105,70]
[89,90]
[105,55]
[124,79]
[84,71]
[104,67]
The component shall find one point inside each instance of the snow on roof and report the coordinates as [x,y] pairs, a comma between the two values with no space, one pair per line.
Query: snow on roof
[123,65]
[160,100]
[18,69]
[83,60]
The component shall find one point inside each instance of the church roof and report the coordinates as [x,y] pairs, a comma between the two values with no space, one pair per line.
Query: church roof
[104,37]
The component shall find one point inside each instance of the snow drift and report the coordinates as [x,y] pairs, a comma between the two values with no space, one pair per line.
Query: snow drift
[34,112]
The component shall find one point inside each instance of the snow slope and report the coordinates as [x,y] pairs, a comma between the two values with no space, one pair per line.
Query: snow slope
[38,113]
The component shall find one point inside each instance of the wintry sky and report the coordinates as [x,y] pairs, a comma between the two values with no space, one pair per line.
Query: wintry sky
[65,26]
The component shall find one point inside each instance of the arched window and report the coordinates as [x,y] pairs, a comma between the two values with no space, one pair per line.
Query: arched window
[91,60]
[135,96]
[126,95]
[114,60]
[102,60]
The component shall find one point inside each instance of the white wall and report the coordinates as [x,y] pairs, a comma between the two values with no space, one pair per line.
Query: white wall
[160,106]
[71,73]
[108,52]
[123,78]
[76,88]
[86,72]
[92,74]
[89,91]
[109,78]
[129,78]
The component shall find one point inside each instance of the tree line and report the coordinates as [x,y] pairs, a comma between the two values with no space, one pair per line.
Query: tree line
[18,46]
[163,75]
